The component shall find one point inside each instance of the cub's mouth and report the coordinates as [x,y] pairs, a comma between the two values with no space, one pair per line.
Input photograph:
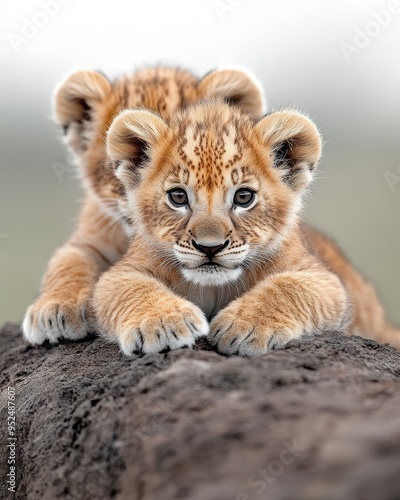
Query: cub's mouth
[210,266]
[211,274]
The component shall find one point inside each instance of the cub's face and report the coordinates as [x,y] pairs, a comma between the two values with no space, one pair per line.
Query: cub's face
[214,190]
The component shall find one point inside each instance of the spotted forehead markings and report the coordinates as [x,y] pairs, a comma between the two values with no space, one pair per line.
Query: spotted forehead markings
[178,174]
[241,174]
[235,176]
[200,144]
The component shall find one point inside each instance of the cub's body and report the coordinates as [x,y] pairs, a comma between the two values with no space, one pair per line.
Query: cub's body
[368,316]
[85,105]
[220,249]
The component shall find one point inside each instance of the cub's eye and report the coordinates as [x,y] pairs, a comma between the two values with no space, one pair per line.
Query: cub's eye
[244,197]
[178,197]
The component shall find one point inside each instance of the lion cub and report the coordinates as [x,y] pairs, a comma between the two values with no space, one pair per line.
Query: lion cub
[220,249]
[85,105]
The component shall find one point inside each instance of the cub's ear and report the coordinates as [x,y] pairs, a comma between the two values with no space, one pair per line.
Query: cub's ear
[129,138]
[295,146]
[75,101]
[236,87]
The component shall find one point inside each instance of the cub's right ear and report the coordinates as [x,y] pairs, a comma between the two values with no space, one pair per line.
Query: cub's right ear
[295,146]
[75,101]
[236,87]
[129,138]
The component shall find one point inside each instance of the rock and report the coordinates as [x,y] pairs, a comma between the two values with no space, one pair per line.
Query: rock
[319,419]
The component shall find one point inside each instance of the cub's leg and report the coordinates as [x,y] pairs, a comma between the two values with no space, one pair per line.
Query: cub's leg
[280,308]
[63,308]
[142,314]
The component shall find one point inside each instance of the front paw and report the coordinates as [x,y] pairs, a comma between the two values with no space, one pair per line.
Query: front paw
[53,319]
[157,332]
[248,331]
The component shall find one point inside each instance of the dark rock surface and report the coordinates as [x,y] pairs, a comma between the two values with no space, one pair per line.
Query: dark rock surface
[319,419]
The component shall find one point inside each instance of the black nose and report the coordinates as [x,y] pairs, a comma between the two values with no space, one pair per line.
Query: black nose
[210,251]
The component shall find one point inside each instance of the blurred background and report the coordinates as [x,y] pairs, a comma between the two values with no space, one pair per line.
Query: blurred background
[338,61]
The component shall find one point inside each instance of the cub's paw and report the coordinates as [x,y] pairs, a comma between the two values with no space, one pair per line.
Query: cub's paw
[236,330]
[157,332]
[53,320]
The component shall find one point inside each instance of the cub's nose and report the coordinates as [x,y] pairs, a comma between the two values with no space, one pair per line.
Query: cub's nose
[210,251]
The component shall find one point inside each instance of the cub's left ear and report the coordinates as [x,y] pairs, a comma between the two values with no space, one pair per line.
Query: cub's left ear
[295,146]
[131,135]
[236,87]
[76,102]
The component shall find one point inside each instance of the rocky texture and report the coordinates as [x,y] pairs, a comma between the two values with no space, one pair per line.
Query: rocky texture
[319,419]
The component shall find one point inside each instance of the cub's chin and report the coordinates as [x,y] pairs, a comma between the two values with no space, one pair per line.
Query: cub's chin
[211,275]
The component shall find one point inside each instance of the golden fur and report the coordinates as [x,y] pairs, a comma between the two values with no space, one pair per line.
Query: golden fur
[202,262]
[85,105]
